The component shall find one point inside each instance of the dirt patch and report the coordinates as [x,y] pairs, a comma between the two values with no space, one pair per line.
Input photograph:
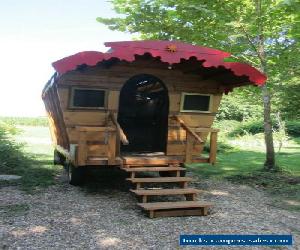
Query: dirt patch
[102,216]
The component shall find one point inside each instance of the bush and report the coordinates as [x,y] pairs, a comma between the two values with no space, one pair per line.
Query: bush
[293,128]
[255,127]
[221,147]
[226,126]
[240,106]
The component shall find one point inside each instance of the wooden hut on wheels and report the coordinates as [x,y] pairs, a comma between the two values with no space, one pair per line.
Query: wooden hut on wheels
[142,106]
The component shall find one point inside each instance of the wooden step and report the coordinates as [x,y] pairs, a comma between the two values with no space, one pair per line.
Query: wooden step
[178,208]
[189,193]
[173,191]
[139,181]
[159,179]
[153,169]
[151,161]
[102,161]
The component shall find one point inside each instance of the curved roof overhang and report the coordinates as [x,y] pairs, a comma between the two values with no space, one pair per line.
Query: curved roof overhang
[171,52]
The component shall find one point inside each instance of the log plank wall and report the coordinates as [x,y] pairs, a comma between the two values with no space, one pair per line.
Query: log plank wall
[63,120]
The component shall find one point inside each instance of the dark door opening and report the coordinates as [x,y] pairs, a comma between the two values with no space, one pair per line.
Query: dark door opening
[143,114]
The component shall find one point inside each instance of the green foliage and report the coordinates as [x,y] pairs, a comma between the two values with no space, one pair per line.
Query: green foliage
[36,170]
[240,106]
[234,26]
[223,146]
[226,126]
[25,121]
[293,128]
[286,99]
[211,23]
[11,153]
[256,126]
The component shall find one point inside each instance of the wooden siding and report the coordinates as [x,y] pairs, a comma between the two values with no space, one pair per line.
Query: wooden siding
[112,79]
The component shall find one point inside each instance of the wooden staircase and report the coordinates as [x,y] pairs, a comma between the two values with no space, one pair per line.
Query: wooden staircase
[189,207]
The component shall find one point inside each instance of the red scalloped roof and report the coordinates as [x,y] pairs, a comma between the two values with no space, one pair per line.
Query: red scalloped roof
[177,51]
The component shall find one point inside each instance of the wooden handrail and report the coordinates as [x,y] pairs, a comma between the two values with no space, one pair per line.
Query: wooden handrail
[121,133]
[94,129]
[187,128]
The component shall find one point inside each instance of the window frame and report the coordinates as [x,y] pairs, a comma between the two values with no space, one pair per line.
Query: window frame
[184,94]
[71,98]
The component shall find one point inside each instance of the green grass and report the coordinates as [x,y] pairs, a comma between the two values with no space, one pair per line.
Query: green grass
[240,160]
[243,164]
[25,121]
[28,154]
[13,210]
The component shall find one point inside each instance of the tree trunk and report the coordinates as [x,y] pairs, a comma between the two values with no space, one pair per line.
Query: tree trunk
[270,163]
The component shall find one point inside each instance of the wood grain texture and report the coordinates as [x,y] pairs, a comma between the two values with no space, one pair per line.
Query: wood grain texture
[85,118]
[182,78]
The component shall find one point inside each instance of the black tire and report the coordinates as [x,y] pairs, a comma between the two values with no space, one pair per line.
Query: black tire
[75,175]
[58,158]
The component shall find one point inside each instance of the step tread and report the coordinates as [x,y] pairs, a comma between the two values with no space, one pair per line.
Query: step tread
[160,179]
[172,191]
[153,160]
[152,169]
[174,205]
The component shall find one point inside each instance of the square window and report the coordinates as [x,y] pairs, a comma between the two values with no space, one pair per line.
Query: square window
[191,102]
[87,98]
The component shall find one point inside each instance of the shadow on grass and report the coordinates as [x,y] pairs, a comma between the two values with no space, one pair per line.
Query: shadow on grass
[246,167]
[36,171]
[297,140]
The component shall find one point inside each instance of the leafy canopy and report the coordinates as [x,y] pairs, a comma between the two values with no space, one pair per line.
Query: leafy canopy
[230,25]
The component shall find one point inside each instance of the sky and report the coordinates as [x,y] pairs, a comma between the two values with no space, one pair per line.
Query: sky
[35,33]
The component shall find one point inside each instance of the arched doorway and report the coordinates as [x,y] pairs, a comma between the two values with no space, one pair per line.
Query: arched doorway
[143,114]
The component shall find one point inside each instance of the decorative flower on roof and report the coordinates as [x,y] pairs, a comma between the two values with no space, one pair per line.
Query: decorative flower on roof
[171,48]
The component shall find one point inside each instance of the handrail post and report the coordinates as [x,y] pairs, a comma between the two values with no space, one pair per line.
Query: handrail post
[189,148]
[111,152]
[121,133]
[213,147]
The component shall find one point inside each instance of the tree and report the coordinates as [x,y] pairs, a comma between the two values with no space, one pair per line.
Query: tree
[256,31]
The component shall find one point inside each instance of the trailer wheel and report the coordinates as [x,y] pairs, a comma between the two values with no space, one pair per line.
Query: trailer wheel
[173,173]
[75,175]
[58,158]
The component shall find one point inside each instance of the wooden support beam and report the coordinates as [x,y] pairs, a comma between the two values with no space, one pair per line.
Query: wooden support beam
[120,131]
[151,214]
[189,148]
[213,148]
[144,198]
[82,149]
[111,154]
